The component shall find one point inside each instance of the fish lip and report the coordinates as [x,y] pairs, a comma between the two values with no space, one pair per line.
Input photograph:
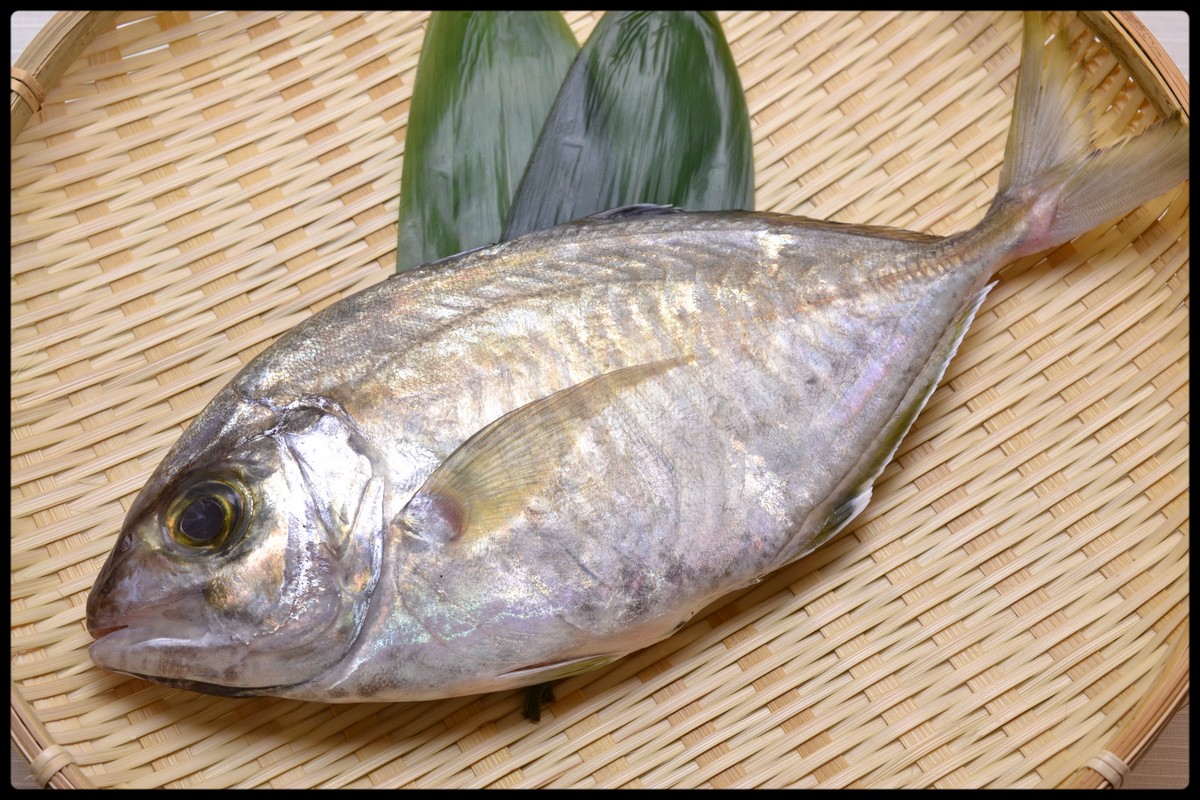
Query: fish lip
[100,633]
[119,639]
[118,634]
[105,621]
[211,688]
[114,631]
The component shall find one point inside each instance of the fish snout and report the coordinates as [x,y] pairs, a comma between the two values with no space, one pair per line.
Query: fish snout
[123,586]
[104,611]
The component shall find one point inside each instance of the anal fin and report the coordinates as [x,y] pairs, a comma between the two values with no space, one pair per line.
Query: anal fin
[544,673]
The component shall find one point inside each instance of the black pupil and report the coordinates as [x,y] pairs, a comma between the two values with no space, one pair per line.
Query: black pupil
[203,520]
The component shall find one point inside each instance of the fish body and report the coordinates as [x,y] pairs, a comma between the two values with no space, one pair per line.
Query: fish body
[529,459]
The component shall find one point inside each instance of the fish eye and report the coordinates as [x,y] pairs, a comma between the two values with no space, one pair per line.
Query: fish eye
[205,514]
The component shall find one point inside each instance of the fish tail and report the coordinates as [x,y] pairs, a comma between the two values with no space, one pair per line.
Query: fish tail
[1063,185]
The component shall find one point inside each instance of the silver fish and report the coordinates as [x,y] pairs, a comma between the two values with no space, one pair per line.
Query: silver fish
[532,458]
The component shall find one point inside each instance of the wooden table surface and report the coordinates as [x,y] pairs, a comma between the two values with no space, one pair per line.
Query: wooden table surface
[1165,765]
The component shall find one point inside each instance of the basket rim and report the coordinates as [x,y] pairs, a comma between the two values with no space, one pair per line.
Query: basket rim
[43,60]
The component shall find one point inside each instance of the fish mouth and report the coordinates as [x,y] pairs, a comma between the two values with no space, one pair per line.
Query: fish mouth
[106,617]
[208,688]
[100,633]
[112,639]
[115,642]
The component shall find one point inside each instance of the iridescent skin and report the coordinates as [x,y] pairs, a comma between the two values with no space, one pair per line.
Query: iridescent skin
[693,483]
[529,459]
[801,338]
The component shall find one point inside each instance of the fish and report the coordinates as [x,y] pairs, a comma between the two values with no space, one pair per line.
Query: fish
[529,459]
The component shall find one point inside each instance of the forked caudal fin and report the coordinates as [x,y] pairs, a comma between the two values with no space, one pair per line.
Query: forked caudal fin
[1067,186]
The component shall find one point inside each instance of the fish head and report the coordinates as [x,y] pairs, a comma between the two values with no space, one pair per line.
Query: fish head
[247,561]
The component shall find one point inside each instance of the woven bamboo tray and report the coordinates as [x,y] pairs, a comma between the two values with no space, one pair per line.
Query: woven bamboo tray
[1010,610]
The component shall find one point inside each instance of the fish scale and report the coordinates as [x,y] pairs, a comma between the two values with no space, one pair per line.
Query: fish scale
[669,515]
[531,458]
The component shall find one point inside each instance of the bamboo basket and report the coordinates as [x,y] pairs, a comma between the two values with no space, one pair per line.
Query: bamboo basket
[1009,611]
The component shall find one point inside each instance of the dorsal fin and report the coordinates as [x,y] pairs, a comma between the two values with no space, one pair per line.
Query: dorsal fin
[492,475]
[634,211]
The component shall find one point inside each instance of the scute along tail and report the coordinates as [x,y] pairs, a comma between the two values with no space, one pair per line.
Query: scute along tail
[1050,164]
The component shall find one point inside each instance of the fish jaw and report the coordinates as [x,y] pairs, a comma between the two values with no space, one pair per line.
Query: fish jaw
[152,629]
[147,644]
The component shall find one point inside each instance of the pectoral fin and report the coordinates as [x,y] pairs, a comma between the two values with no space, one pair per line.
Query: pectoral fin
[494,473]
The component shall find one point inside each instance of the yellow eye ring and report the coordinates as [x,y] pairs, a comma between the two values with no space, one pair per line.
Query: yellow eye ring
[205,514]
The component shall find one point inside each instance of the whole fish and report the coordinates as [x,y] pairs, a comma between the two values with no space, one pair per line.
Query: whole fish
[532,458]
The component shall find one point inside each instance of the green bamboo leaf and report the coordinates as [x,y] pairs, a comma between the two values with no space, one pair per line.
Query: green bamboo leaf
[485,81]
[652,111]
